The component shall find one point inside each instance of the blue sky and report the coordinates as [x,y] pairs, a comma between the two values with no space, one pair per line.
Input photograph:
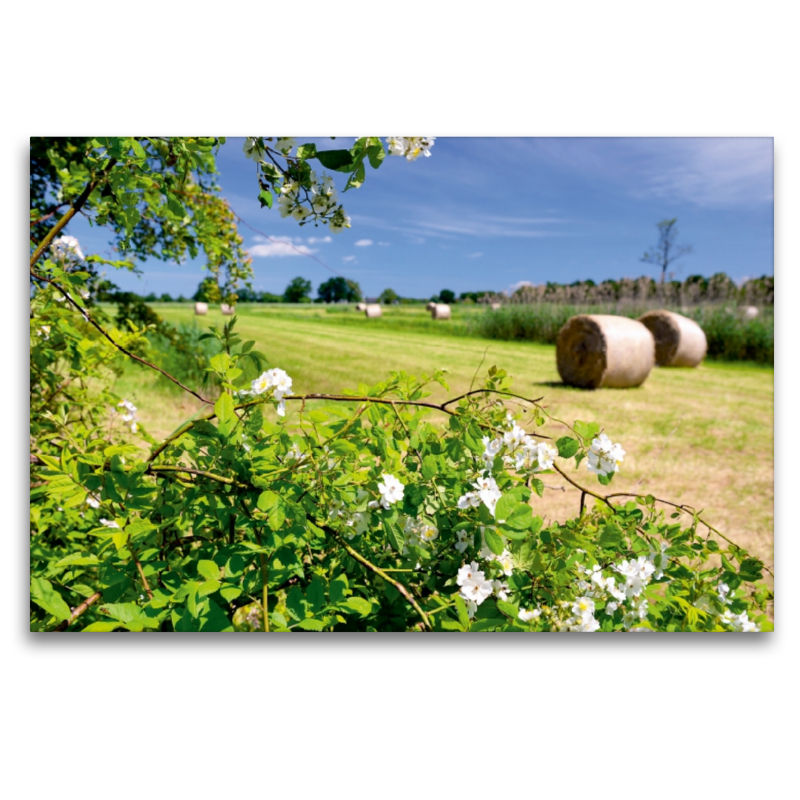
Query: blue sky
[489,213]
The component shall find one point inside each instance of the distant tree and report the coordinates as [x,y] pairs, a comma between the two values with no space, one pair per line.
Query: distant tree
[165,298]
[181,299]
[207,291]
[446,296]
[388,296]
[666,251]
[151,298]
[336,289]
[297,291]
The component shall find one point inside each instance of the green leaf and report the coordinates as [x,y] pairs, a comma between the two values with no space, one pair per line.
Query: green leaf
[306,151]
[520,519]
[567,447]
[376,154]
[176,208]
[395,535]
[296,603]
[311,625]
[265,196]
[359,605]
[494,541]
[101,627]
[339,160]
[224,408]
[538,486]
[430,467]
[506,506]
[461,610]
[508,609]
[208,570]
[138,149]
[315,594]
[611,536]
[44,595]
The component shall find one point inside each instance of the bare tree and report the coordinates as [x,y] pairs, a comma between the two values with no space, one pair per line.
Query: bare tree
[666,251]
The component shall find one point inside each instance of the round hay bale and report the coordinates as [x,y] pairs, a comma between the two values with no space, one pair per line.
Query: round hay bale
[227,310]
[496,306]
[372,311]
[201,309]
[430,306]
[440,311]
[680,341]
[361,306]
[749,312]
[595,350]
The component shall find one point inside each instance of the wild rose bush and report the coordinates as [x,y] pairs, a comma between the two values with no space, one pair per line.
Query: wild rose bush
[279,509]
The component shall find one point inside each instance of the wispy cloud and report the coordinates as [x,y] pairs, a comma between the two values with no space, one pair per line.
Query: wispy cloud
[364,242]
[474,255]
[278,247]
[348,259]
[714,173]
[319,239]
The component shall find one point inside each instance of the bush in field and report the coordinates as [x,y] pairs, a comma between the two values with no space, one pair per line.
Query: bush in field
[359,515]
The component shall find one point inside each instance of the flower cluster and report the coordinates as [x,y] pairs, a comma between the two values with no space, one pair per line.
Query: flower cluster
[474,587]
[109,523]
[410,146]
[522,451]
[739,622]
[420,532]
[277,380]
[129,414]
[486,493]
[65,247]
[604,456]
[357,521]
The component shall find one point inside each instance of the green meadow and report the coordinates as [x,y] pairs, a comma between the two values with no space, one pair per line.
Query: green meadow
[699,436]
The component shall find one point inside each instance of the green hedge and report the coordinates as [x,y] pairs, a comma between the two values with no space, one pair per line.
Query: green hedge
[730,337]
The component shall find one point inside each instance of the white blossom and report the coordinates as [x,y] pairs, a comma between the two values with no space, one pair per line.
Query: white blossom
[93,501]
[109,523]
[285,144]
[527,616]
[473,583]
[604,456]
[739,622]
[464,540]
[410,146]
[66,246]
[391,490]
[254,148]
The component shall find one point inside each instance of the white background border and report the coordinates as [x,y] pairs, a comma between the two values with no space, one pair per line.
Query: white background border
[390,715]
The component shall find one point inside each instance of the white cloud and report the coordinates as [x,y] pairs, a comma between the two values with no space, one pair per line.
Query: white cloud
[383,244]
[316,239]
[348,258]
[278,247]
[518,285]
[363,242]
[474,255]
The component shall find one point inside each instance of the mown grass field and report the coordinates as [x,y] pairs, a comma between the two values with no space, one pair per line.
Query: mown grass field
[702,436]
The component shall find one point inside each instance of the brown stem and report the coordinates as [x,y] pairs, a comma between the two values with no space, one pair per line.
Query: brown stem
[77,611]
[141,572]
[76,207]
[119,347]
[378,571]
